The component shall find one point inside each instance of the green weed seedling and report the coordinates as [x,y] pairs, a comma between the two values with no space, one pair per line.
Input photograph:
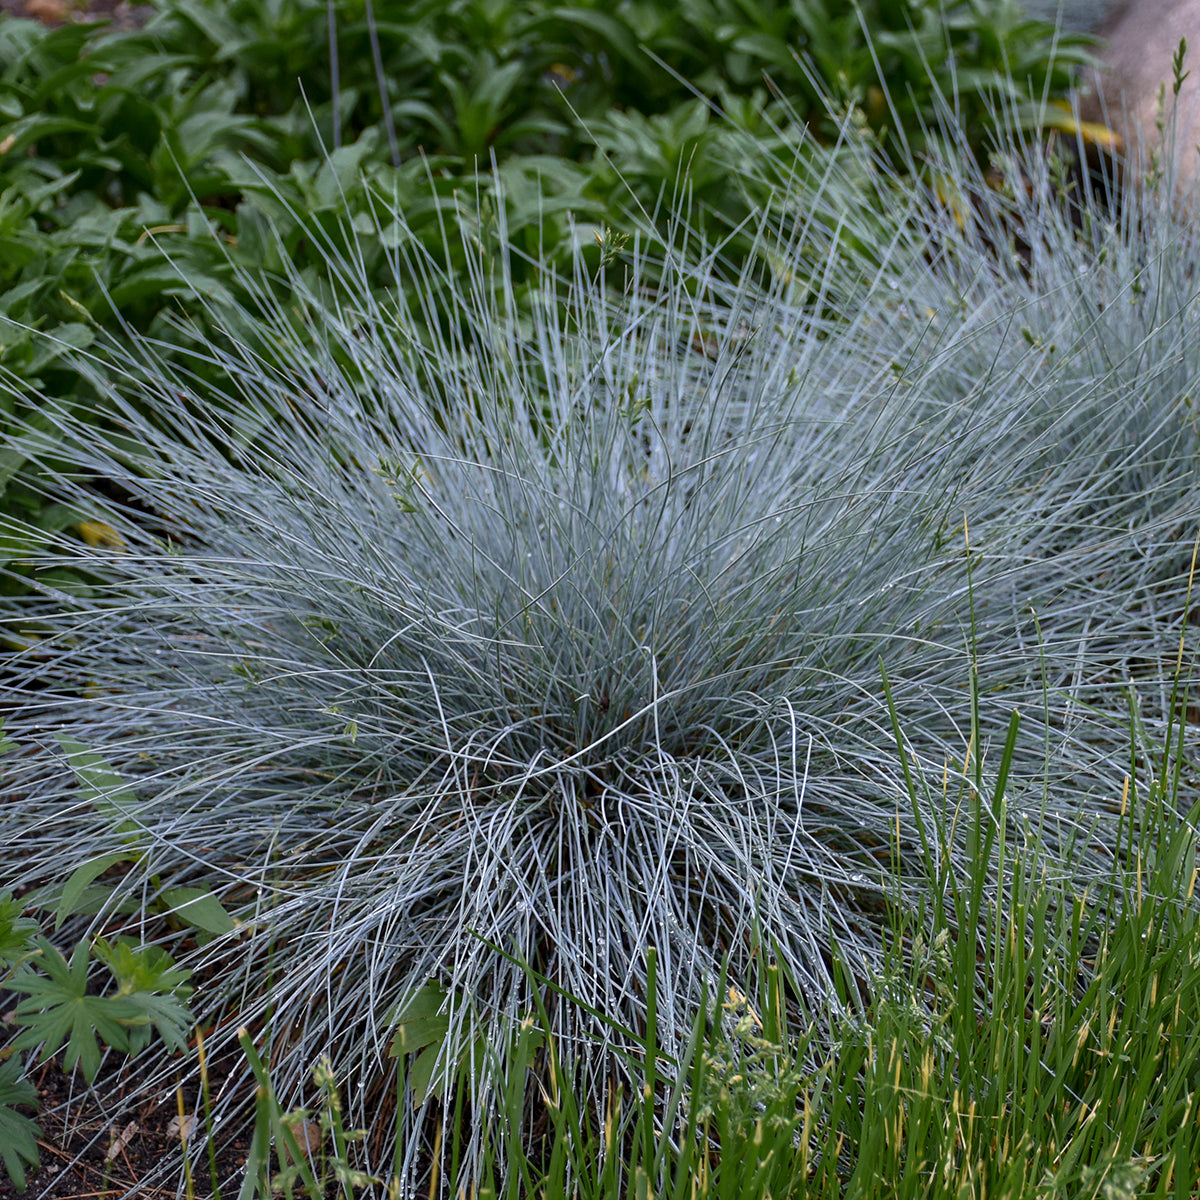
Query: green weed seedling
[60,1010]
[18,1133]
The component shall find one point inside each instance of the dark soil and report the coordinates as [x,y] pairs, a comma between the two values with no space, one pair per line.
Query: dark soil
[103,1149]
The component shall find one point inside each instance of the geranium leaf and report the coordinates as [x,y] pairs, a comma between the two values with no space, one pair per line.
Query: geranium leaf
[167,1013]
[58,1008]
[148,976]
[16,932]
[18,1133]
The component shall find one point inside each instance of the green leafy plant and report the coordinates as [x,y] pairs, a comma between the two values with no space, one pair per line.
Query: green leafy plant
[61,1009]
[58,1009]
[149,978]
[423,1030]
[60,1006]
[18,1134]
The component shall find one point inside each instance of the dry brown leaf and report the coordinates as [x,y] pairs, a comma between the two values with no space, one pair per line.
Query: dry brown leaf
[120,1140]
[307,1133]
[182,1130]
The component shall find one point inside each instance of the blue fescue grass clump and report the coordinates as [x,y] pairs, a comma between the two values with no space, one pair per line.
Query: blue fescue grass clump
[553,632]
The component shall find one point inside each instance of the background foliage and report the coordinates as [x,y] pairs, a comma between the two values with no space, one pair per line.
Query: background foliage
[138,169]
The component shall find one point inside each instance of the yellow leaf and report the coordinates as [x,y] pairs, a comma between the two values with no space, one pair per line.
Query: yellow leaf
[100,533]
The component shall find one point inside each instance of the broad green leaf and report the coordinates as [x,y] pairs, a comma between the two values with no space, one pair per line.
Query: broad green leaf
[16,253]
[616,34]
[11,461]
[421,1021]
[339,174]
[79,883]
[29,129]
[164,280]
[413,1035]
[94,898]
[422,1030]
[76,69]
[426,1001]
[14,297]
[200,908]
[140,70]
[53,518]
[34,196]
[58,342]
[425,1004]
[420,1075]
